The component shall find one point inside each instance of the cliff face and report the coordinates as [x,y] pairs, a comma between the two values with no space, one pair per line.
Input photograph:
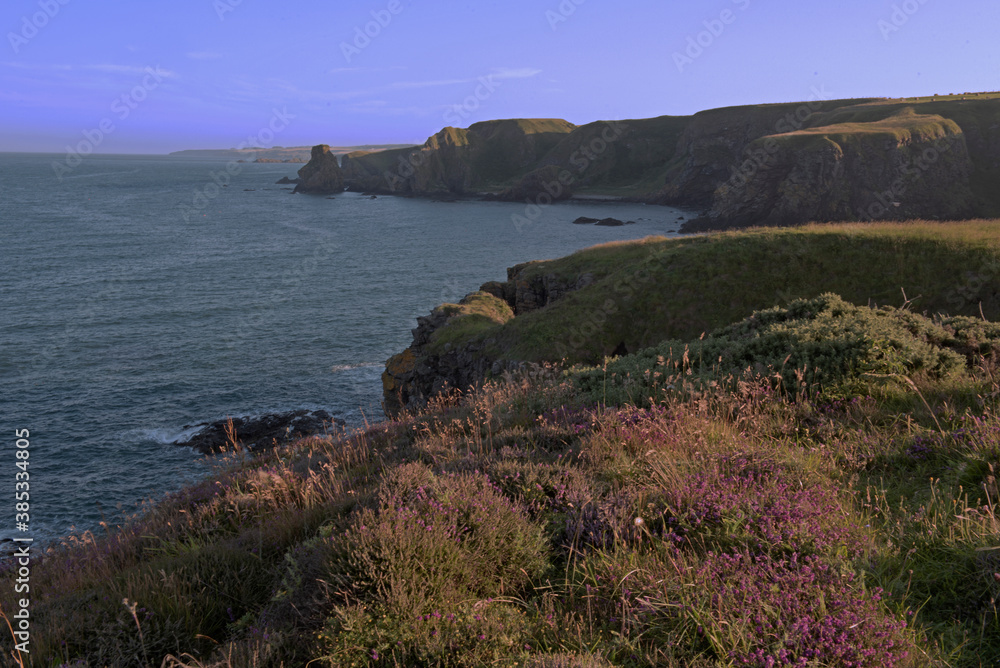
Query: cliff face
[458,161]
[446,355]
[773,164]
[321,175]
[909,166]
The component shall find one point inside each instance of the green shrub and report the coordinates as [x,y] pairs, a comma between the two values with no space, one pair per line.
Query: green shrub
[810,344]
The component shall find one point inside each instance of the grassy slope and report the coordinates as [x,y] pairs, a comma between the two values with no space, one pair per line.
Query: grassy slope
[523,525]
[680,288]
[635,164]
[903,127]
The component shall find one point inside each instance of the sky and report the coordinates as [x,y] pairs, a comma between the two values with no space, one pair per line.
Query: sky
[122,76]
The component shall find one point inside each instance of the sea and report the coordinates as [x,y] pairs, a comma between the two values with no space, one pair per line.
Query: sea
[144,294]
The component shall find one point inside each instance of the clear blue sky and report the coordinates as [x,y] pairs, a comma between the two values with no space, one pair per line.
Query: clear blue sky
[211,73]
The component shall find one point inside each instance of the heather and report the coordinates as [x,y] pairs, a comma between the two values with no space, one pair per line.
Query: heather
[830,506]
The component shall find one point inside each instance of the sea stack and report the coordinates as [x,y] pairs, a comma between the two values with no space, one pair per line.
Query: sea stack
[321,175]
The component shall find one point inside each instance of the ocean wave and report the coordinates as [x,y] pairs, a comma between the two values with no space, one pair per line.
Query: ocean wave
[348,367]
[169,435]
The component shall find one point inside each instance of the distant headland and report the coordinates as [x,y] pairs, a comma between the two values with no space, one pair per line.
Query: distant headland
[275,153]
[822,160]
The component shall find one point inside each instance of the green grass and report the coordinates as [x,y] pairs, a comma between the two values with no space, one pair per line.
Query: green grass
[903,127]
[477,313]
[681,288]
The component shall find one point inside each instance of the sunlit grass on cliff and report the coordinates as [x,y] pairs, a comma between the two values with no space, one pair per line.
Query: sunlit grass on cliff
[681,288]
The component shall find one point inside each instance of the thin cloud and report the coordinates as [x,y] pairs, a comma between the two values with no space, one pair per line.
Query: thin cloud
[203,55]
[105,68]
[130,70]
[429,84]
[341,70]
[520,73]
[497,73]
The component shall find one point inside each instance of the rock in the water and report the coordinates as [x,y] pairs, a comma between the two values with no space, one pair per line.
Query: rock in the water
[321,175]
[284,181]
[259,433]
[603,222]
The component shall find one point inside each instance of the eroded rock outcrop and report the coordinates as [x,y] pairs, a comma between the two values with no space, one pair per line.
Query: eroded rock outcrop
[322,175]
[260,432]
[441,359]
[445,354]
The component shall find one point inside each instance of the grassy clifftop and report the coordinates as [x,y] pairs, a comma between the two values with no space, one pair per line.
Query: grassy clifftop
[640,293]
[810,484]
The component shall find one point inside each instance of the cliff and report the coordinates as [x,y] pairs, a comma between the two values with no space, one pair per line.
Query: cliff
[448,351]
[321,175]
[908,165]
[618,299]
[457,161]
[771,164]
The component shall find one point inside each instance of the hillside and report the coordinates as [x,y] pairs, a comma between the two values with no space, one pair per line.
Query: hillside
[810,483]
[623,297]
[770,164]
